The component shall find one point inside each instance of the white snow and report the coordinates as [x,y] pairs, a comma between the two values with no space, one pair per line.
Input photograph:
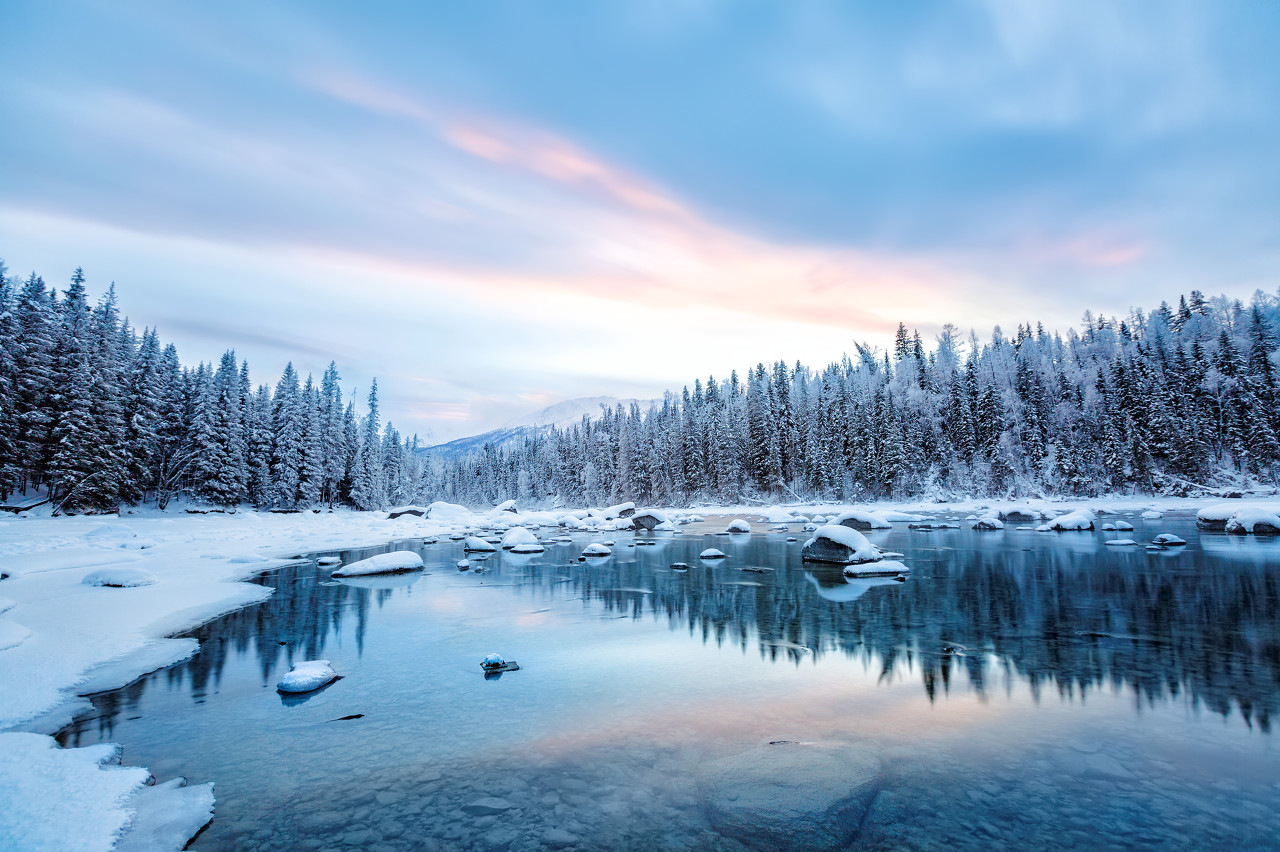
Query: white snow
[63,800]
[1123,526]
[863,550]
[1081,519]
[508,506]
[1168,540]
[616,511]
[121,577]
[737,525]
[528,547]
[474,544]
[166,816]
[307,676]
[871,519]
[517,535]
[882,567]
[596,550]
[492,661]
[778,515]
[1245,519]
[12,634]
[383,563]
[711,553]
[1120,542]
[1219,512]
[1152,515]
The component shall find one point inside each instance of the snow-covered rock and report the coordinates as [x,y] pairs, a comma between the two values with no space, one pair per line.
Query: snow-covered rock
[737,525]
[463,564]
[328,560]
[528,547]
[880,568]
[516,536]
[596,549]
[778,515]
[622,510]
[649,519]
[840,545]
[1123,526]
[679,566]
[383,563]
[1152,515]
[711,553]
[1168,540]
[988,523]
[1251,520]
[411,511]
[1120,542]
[1021,515]
[474,544]
[1081,519]
[307,676]
[119,577]
[860,519]
[1215,517]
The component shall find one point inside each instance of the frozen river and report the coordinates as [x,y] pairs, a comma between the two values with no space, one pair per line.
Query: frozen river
[1020,690]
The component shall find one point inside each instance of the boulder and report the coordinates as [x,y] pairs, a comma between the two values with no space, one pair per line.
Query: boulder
[711,553]
[596,549]
[791,795]
[737,525]
[988,524]
[1253,521]
[307,677]
[1020,516]
[839,545]
[648,519]
[415,511]
[474,544]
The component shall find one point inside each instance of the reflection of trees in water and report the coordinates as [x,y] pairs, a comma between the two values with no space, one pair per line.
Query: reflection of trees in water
[1063,619]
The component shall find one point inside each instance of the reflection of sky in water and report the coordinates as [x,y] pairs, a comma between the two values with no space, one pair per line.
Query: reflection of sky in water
[1016,681]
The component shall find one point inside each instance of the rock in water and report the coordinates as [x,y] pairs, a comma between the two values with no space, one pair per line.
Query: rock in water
[791,795]
[307,677]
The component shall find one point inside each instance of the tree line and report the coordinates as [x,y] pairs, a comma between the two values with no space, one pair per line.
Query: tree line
[1176,400]
[94,414]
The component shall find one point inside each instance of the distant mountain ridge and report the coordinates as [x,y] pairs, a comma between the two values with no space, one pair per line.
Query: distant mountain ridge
[514,432]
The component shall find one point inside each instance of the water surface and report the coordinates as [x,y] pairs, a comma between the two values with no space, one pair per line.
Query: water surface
[1020,690]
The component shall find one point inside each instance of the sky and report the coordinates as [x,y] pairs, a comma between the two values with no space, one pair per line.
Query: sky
[492,207]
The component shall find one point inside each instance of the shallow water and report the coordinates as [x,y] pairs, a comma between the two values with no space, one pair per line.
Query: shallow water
[1020,690]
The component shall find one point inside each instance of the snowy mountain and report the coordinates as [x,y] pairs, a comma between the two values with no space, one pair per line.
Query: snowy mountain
[516,431]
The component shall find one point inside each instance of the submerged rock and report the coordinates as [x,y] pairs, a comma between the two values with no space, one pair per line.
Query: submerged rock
[791,795]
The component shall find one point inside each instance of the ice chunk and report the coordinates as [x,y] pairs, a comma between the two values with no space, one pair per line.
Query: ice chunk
[383,563]
[122,577]
[307,677]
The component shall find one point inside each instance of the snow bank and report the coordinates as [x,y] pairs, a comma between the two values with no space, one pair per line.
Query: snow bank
[839,544]
[450,513]
[383,563]
[737,525]
[860,519]
[70,800]
[307,676]
[505,506]
[1253,520]
[778,515]
[12,634]
[166,816]
[124,577]
[902,517]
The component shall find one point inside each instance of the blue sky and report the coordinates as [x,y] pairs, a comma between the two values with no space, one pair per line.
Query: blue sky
[495,206]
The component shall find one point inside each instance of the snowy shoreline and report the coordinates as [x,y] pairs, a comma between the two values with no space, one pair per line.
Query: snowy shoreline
[65,637]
